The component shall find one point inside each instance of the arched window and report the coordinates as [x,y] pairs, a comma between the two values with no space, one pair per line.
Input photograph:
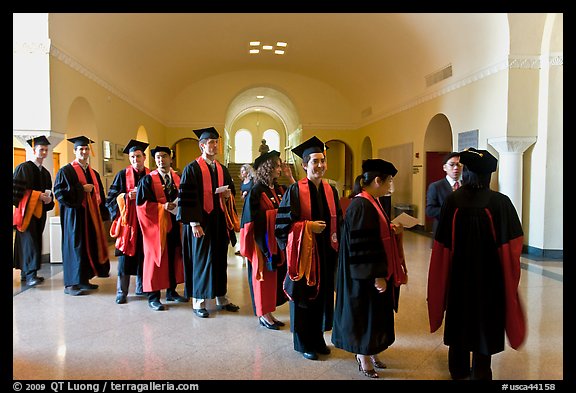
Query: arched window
[243,146]
[272,139]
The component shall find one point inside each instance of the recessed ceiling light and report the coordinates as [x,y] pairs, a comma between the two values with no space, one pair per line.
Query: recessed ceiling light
[254,50]
[279,52]
[259,97]
[267,47]
[282,44]
[257,109]
[254,43]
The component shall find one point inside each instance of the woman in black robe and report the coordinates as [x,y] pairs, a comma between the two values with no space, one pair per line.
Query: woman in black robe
[370,271]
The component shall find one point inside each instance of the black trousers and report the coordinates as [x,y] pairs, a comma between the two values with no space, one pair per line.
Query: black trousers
[459,364]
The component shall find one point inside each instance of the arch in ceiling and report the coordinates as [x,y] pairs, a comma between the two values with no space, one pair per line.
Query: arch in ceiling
[274,103]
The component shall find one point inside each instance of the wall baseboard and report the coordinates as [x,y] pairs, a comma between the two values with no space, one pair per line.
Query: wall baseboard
[538,252]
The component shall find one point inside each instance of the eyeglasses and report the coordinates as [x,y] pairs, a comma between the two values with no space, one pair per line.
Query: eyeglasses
[453,164]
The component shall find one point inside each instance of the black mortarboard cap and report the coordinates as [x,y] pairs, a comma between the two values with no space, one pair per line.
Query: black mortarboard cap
[161,148]
[478,161]
[265,157]
[135,145]
[207,133]
[380,166]
[80,141]
[312,145]
[39,140]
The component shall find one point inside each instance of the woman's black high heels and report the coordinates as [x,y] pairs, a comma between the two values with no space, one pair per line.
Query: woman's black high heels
[369,373]
[377,363]
[267,325]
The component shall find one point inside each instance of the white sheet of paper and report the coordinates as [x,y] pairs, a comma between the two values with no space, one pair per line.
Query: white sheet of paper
[175,210]
[406,220]
[221,189]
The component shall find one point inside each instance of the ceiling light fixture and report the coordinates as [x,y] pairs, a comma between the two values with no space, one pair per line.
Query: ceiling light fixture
[260,97]
[257,46]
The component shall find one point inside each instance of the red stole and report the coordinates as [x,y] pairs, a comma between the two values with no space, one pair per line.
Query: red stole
[91,205]
[207,182]
[125,226]
[396,264]
[306,208]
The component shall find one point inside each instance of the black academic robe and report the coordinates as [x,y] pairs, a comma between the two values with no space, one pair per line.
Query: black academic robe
[475,270]
[205,258]
[127,265]
[309,315]
[75,262]
[265,294]
[28,244]
[363,317]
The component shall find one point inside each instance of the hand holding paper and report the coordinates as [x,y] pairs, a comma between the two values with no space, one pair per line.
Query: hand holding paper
[221,189]
[406,220]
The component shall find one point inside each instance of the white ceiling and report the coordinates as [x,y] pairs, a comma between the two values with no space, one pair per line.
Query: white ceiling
[377,61]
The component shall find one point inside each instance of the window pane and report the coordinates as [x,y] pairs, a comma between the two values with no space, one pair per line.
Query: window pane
[243,146]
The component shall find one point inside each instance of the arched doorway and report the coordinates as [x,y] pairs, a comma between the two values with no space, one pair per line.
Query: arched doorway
[437,143]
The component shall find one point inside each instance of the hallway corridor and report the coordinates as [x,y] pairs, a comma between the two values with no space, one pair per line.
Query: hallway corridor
[60,337]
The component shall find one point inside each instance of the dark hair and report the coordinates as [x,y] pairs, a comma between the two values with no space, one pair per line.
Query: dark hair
[476,180]
[263,173]
[450,155]
[363,180]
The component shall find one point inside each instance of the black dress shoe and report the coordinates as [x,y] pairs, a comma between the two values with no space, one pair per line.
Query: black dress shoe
[156,306]
[279,323]
[139,293]
[177,298]
[121,299]
[88,286]
[268,325]
[201,312]
[32,282]
[41,279]
[229,307]
[73,291]
[324,350]
[310,355]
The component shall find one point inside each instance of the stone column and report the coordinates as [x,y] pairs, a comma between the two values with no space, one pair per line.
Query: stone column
[31,89]
[511,150]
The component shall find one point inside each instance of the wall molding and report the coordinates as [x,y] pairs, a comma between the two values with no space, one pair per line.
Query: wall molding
[78,67]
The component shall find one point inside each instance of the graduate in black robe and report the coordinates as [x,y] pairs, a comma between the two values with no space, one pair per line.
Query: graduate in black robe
[310,209]
[125,227]
[475,270]
[29,183]
[370,270]
[206,235]
[79,191]
[267,262]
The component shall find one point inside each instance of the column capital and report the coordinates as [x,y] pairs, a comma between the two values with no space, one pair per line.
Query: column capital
[512,144]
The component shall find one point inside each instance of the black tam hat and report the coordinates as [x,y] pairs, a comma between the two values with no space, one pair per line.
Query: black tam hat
[380,166]
[478,161]
[39,140]
[265,157]
[134,145]
[80,141]
[312,145]
[158,149]
[207,133]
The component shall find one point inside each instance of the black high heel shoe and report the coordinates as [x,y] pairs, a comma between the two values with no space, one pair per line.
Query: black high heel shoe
[377,363]
[267,325]
[369,373]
